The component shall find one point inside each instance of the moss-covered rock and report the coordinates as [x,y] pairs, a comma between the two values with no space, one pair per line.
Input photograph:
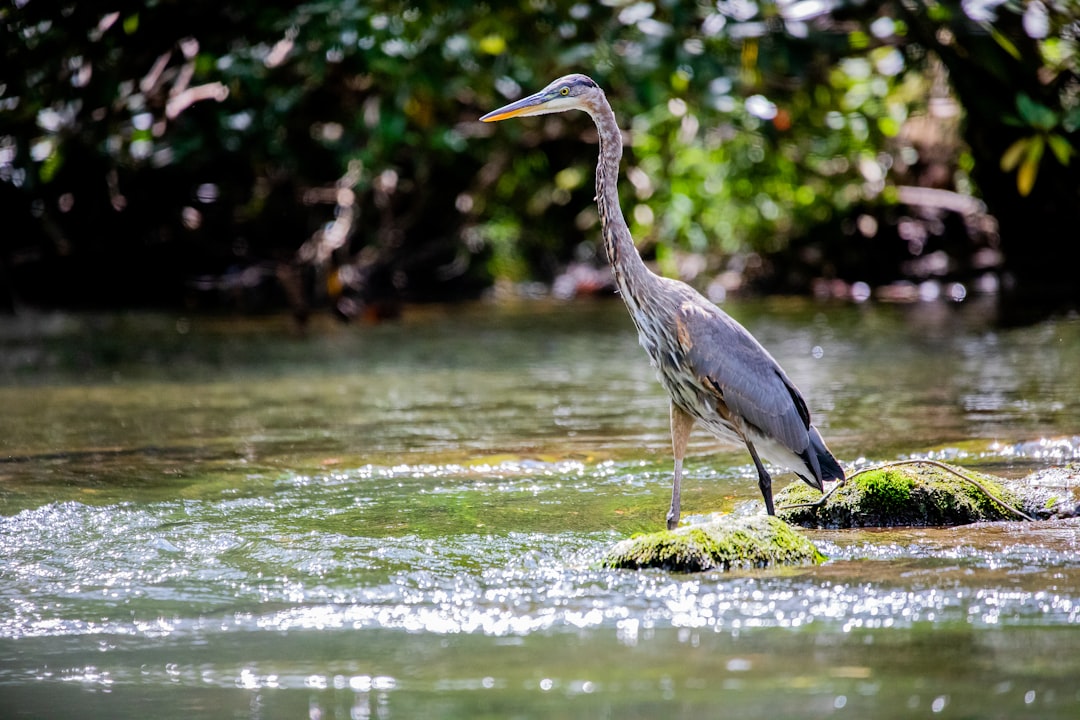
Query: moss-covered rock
[919,494]
[722,543]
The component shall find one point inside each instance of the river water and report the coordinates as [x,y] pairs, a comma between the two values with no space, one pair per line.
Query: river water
[212,517]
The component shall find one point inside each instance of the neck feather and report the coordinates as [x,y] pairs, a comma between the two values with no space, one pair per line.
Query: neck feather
[631,275]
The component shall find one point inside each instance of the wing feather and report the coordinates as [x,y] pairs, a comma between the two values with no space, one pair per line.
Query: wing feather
[731,364]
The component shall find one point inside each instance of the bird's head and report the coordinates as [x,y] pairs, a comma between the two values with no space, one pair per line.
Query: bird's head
[570,92]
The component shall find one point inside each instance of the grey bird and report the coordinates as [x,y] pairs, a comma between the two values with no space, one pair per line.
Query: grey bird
[713,369]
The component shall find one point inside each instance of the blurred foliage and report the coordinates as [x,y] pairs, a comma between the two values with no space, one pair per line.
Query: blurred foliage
[1015,68]
[332,147]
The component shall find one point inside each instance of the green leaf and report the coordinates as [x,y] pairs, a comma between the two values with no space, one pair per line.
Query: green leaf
[1035,114]
[1035,148]
[493,44]
[1029,169]
[939,13]
[1061,148]
[51,165]
[1005,43]
[888,127]
[131,24]
[1011,157]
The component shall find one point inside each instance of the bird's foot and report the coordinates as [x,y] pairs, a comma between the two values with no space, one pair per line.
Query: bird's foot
[672,520]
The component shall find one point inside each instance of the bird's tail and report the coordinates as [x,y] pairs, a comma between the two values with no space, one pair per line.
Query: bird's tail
[829,468]
[819,463]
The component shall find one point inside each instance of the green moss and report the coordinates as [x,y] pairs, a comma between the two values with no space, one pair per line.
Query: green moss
[889,491]
[723,543]
[915,494]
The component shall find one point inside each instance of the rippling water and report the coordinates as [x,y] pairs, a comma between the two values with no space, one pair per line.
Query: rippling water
[202,517]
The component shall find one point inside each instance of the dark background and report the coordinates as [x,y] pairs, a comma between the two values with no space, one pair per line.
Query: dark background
[326,156]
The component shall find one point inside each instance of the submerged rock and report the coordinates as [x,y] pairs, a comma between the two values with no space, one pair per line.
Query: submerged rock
[722,543]
[916,493]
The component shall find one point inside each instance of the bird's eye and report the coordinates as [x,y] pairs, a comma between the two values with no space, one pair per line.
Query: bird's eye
[565,91]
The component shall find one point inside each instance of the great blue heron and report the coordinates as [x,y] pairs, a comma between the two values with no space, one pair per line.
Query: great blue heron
[716,373]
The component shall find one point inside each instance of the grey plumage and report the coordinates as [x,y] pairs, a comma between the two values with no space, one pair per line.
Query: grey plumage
[716,373]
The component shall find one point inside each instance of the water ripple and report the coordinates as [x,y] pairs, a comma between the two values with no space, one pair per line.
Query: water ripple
[344,551]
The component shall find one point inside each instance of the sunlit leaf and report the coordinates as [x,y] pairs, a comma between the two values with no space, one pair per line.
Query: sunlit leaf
[1025,177]
[1061,148]
[569,178]
[1006,44]
[939,12]
[1029,168]
[679,82]
[966,161]
[888,127]
[51,165]
[1035,148]
[1011,157]
[493,44]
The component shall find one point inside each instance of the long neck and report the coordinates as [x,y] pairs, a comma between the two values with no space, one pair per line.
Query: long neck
[631,275]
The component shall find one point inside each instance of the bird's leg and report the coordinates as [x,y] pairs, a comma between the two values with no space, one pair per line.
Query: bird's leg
[764,481]
[681,423]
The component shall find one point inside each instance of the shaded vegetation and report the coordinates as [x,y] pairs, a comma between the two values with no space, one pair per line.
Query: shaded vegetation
[327,153]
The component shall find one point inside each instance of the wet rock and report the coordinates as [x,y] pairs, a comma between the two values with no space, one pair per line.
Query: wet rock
[1052,493]
[722,543]
[909,494]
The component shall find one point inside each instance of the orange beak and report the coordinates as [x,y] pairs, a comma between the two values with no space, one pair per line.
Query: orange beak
[525,106]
